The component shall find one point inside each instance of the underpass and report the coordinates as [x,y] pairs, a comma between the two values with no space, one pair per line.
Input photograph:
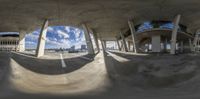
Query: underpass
[94,49]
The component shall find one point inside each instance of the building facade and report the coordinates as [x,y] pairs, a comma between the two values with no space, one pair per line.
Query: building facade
[9,42]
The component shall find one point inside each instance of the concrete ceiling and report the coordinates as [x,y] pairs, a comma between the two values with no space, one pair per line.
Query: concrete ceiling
[106,17]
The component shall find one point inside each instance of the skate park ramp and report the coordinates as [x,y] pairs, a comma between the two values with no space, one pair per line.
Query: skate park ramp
[107,75]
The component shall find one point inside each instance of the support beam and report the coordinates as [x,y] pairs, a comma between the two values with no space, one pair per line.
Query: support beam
[155,40]
[118,45]
[122,45]
[132,28]
[21,45]
[174,34]
[191,45]
[129,45]
[165,45]
[181,46]
[88,39]
[96,41]
[41,40]
[124,42]
[196,40]
[105,44]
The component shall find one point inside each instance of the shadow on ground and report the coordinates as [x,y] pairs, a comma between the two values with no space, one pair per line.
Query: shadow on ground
[50,66]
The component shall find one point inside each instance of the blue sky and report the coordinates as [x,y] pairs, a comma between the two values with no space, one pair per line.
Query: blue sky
[57,37]
[148,25]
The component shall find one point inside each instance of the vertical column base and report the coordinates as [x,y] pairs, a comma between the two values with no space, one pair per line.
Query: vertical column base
[156,43]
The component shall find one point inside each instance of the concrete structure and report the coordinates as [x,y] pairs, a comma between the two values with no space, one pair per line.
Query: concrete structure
[107,22]
[109,74]
[133,35]
[118,45]
[156,47]
[174,34]
[21,44]
[124,42]
[96,41]
[41,39]
[88,39]
[9,44]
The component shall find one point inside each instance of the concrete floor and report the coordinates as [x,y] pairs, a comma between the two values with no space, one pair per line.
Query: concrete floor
[104,76]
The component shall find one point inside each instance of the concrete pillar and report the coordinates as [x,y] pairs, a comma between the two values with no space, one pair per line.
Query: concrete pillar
[129,46]
[132,28]
[165,45]
[196,40]
[122,45]
[155,40]
[41,40]
[21,44]
[191,45]
[174,34]
[96,41]
[88,39]
[118,45]
[105,44]
[181,47]
[124,42]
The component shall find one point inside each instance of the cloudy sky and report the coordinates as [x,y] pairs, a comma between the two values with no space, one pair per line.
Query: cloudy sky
[57,37]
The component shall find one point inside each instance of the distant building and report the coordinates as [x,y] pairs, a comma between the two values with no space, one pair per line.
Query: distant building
[83,47]
[72,48]
[9,42]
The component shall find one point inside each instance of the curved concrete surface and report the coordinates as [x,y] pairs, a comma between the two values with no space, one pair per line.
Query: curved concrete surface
[107,17]
[123,75]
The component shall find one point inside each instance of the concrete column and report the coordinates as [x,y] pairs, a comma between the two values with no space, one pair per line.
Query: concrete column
[88,39]
[96,41]
[165,45]
[21,45]
[191,46]
[174,34]
[127,43]
[118,45]
[181,47]
[155,40]
[41,40]
[129,46]
[105,45]
[196,40]
[132,28]
[122,45]
[124,42]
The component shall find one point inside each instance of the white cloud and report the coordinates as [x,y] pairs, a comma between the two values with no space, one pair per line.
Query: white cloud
[60,38]
[67,28]
[31,43]
[77,33]
[64,43]
[62,34]
[50,29]
[32,37]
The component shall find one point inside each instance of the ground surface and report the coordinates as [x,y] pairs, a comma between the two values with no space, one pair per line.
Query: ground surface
[112,75]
